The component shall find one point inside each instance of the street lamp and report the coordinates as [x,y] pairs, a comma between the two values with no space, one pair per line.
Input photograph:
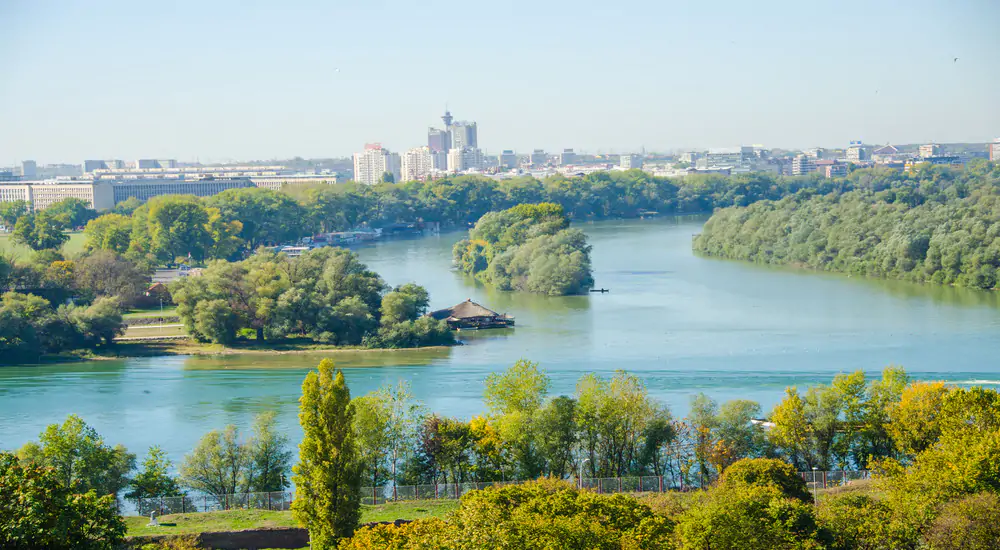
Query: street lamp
[586,460]
[815,499]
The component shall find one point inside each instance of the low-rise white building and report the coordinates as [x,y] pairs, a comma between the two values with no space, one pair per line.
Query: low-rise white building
[628,161]
[466,158]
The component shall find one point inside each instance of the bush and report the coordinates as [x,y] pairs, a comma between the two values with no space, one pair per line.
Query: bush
[750,517]
[860,522]
[766,472]
[425,534]
[970,523]
[551,514]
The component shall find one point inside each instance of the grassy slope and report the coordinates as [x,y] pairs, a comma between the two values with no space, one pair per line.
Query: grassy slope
[72,246]
[234,520]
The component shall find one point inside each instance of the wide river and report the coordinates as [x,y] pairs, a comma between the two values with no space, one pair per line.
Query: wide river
[682,323]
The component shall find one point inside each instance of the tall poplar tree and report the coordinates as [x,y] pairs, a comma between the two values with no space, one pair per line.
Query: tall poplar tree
[328,476]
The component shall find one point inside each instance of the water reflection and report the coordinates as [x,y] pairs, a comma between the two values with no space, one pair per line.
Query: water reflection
[343,359]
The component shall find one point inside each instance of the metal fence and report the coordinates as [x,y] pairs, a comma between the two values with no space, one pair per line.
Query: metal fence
[380,495]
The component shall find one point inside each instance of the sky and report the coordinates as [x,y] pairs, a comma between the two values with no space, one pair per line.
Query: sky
[241,80]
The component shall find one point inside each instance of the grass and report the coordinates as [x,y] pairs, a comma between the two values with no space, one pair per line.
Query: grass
[73,245]
[168,311]
[138,331]
[235,520]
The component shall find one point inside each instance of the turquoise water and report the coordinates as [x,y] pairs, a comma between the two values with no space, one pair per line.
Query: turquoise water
[684,324]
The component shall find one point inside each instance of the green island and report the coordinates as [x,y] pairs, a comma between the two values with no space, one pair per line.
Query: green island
[935,224]
[925,454]
[530,248]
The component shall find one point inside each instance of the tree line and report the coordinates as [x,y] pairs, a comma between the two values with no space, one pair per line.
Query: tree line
[327,295]
[936,487]
[936,224]
[238,221]
[528,247]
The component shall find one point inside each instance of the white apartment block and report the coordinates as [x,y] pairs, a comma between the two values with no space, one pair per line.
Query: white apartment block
[42,194]
[417,163]
[466,158]
[802,165]
[373,162]
[628,161]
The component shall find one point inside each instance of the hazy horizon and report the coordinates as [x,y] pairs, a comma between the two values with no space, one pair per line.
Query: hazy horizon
[234,80]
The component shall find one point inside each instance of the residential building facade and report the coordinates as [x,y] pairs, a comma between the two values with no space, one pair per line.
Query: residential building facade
[373,162]
[468,158]
[628,161]
[417,164]
[803,165]
[464,135]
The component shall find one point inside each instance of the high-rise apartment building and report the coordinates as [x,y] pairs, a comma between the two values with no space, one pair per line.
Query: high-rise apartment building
[628,161]
[464,135]
[467,158]
[538,157]
[372,163]
[995,150]
[417,164]
[438,141]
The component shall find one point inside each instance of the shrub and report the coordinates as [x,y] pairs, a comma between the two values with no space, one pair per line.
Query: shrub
[766,472]
[860,522]
[970,523]
[750,517]
[424,534]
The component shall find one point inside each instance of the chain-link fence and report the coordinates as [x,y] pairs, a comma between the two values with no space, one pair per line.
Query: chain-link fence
[282,500]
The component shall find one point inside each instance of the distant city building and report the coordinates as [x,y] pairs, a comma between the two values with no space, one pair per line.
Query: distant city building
[815,152]
[930,150]
[466,158]
[115,164]
[277,182]
[8,175]
[417,164]
[372,163]
[803,165]
[629,161]
[91,165]
[145,189]
[940,159]
[167,164]
[690,157]
[438,141]
[995,150]
[836,170]
[507,159]
[464,135]
[742,159]
[567,157]
[143,164]
[888,154]
[857,153]
[538,157]
[439,160]
[41,194]
[29,170]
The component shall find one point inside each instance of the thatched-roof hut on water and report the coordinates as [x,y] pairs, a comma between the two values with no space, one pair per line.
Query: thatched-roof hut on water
[470,315]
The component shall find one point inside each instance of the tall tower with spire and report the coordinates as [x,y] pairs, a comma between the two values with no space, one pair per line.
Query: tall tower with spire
[447,118]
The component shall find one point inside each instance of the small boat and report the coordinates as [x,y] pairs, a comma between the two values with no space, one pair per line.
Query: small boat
[601,290]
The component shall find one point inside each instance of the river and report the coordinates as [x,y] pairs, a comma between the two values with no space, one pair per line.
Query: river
[683,323]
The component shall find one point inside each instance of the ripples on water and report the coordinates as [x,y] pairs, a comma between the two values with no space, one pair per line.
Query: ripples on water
[684,324]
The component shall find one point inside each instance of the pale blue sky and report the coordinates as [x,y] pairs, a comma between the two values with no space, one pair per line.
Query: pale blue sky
[216,80]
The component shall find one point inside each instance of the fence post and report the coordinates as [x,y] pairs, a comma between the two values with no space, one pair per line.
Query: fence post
[619,484]
[374,495]
[824,479]
[269,501]
[395,495]
[436,490]
[660,479]
[183,504]
[600,486]
[458,490]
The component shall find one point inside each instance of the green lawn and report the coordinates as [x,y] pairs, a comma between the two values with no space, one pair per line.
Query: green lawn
[234,520]
[72,246]
[139,331]
[168,311]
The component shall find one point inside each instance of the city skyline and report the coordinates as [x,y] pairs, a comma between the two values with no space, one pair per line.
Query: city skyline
[130,81]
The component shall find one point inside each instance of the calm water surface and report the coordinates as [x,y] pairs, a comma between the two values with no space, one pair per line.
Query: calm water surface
[684,324]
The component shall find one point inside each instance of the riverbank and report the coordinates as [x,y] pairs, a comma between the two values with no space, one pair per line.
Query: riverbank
[189,347]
